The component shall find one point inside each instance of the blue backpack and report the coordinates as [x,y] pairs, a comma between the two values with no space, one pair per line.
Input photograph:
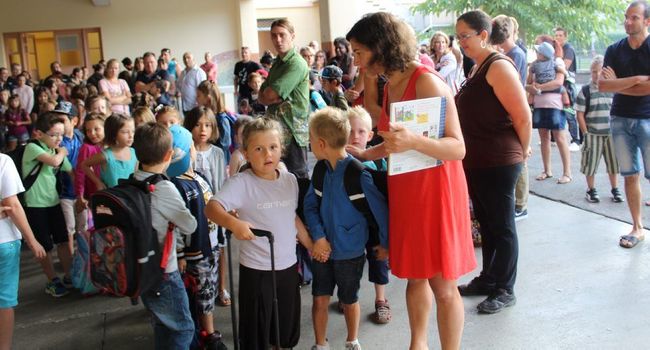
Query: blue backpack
[81,266]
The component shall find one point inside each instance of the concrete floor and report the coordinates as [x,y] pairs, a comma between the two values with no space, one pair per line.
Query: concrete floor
[576,289]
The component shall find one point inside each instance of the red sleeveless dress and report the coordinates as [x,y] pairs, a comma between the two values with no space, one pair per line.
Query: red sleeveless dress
[429,222]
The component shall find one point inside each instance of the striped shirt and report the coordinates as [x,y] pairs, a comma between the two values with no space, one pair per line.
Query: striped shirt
[599,105]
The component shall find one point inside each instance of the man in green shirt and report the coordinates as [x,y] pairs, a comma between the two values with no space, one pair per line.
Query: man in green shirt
[286,92]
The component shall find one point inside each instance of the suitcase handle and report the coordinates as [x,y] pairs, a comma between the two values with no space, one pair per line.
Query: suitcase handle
[263,233]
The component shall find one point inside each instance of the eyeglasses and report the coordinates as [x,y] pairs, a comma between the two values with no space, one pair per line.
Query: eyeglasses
[54,136]
[465,36]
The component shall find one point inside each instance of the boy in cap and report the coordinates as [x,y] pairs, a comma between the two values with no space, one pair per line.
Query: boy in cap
[331,79]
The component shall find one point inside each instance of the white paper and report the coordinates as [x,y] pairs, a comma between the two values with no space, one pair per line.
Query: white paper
[424,117]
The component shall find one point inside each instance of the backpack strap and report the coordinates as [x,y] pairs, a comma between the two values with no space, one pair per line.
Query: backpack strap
[31,177]
[352,184]
[317,178]
[586,91]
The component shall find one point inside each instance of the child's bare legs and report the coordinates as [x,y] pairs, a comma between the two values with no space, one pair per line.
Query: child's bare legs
[450,312]
[613,180]
[591,182]
[207,322]
[418,303]
[319,317]
[563,147]
[380,292]
[352,314]
[222,278]
[65,257]
[545,138]
[48,266]
[6,328]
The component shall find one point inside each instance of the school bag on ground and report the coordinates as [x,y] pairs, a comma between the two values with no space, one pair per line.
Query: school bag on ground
[352,184]
[125,258]
[81,265]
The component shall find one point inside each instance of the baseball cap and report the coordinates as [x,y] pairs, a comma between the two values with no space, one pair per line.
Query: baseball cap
[331,72]
[545,49]
[67,108]
[181,143]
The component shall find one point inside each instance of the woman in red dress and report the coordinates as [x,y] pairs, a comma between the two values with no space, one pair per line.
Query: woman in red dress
[429,226]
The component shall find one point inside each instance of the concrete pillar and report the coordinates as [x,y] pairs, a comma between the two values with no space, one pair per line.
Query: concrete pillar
[336,18]
[248,27]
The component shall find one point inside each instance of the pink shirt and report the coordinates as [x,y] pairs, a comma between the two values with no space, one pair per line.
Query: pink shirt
[210,70]
[116,90]
[83,186]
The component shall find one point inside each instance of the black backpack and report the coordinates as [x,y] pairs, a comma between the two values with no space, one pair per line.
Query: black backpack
[586,92]
[352,184]
[125,258]
[28,181]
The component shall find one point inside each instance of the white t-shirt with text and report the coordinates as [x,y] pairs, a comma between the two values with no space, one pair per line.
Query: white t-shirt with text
[10,185]
[268,205]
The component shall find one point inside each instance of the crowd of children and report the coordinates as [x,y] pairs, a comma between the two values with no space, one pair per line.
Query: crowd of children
[224,173]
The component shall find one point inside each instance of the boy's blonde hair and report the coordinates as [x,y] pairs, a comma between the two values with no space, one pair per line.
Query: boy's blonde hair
[598,59]
[331,125]
[145,115]
[358,112]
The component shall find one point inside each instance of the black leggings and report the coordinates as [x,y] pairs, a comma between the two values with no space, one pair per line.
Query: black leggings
[492,194]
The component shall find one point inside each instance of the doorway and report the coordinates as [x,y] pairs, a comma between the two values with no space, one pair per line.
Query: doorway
[35,51]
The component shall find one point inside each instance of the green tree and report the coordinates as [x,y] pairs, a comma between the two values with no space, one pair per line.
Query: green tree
[579,17]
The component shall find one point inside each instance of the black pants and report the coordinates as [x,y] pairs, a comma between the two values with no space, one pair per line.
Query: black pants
[492,194]
[256,322]
[295,158]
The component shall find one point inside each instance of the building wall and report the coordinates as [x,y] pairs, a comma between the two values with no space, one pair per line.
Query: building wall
[129,28]
[305,19]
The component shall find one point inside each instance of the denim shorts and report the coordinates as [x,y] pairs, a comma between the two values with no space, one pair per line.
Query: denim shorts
[631,142]
[344,274]
[549,118]
[170,311]
[9,273]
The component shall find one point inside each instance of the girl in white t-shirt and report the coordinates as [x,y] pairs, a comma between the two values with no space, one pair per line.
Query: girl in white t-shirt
[12,223]
[266,198]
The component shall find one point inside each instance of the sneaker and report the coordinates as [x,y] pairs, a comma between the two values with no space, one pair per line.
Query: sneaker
[618,197]
[382,313]
[476,287]
[67,282]
[574,147]
[352,345]
[497,301]
[592,196]
[213,342]
[321,347]
[55,288]
[521,214]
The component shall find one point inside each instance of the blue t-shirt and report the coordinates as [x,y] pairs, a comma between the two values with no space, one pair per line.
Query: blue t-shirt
[116,169]
[628,62]
[518,56]
[73,145]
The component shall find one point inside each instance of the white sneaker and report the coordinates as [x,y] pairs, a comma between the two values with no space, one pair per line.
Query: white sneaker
[574,147]
[352,345]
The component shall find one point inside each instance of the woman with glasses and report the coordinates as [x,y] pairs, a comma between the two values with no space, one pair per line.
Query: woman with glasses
[429,244]
[496,124]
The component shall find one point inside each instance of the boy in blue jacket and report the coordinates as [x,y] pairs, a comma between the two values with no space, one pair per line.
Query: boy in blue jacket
[338,229]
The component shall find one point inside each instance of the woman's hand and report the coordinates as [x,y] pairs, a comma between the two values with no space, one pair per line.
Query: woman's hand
[351,95]
[398,139]
[356,152]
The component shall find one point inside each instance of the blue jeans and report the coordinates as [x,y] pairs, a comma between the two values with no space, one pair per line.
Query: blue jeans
[631,139]
[172,323]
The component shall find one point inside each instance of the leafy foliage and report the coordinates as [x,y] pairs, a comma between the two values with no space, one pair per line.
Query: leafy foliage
[579,17]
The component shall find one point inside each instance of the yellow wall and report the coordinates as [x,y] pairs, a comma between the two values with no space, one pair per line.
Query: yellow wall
[306,21]
[131,27]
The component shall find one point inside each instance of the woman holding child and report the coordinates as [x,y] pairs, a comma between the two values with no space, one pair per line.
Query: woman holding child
[496,124]
[431,246]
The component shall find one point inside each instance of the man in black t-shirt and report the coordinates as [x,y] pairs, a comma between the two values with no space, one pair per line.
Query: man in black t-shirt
[626,71]
[561,37]
[242,69]
[145,79]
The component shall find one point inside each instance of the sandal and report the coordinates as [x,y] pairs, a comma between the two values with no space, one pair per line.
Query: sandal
[543,176]
[223,299]
[630,241]
[565,179]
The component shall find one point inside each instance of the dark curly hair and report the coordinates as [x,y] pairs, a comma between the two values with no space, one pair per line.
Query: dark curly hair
[391,41]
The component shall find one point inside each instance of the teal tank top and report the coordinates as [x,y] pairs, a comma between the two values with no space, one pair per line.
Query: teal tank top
[117,169]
